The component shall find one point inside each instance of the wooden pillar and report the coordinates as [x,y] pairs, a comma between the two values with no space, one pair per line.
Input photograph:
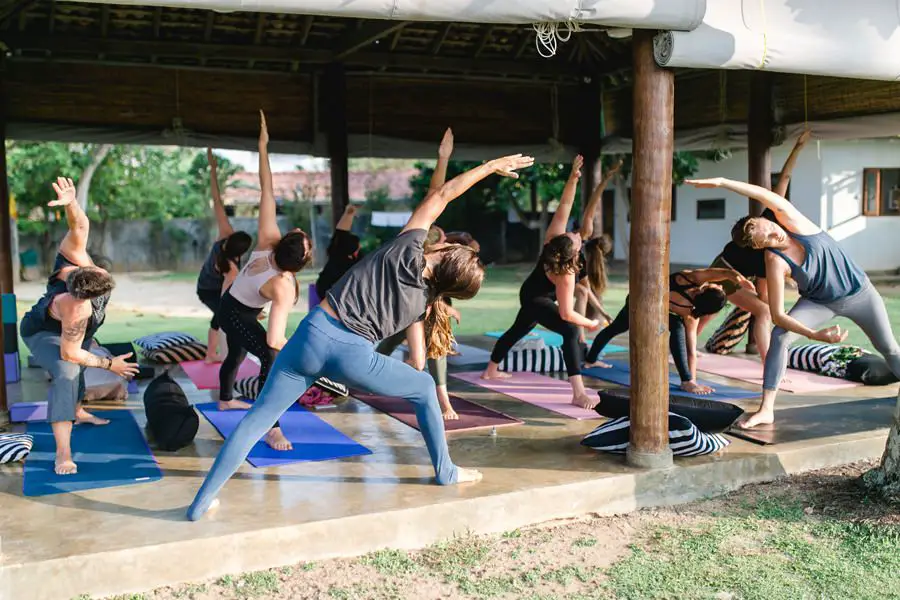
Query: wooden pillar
[760,121]
[9,339]
[333,103]
[648,268]
[590,145]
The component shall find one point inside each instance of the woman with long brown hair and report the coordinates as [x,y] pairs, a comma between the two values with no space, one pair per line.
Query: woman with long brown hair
[547,296]
[400,286]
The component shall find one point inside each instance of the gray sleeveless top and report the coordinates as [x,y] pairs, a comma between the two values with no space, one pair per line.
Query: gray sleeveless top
[827,273]
[210,279]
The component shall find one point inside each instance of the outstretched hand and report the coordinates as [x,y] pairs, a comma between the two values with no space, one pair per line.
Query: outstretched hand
[350,210]
[577,164]
[508,165]
[445,150]
[263,129]
[804,137]
[712,182]
[65,192]
[615,168]
[832,335]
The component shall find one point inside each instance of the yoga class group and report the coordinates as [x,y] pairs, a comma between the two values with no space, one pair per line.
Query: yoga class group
[405,291]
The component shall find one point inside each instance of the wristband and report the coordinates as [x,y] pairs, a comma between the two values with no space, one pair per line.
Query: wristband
[109,364]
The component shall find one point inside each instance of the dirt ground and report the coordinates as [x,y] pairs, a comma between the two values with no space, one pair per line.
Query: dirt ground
[581,559]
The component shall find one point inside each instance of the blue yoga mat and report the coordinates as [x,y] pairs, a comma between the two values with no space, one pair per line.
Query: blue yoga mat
[620,374]
[106,455]
[313,438]
[551,338]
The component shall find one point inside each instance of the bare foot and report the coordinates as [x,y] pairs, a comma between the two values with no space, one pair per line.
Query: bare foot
[65,466]
[450,414]
[599,364]
[276,440]
[585,401]
[496,375]
[763,417]
[83,417]
[467,475]
[234,405]
[695,388]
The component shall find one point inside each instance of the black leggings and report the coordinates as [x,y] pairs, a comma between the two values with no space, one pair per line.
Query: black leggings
[243,333]
[677,340]
[211,299]
[542,311]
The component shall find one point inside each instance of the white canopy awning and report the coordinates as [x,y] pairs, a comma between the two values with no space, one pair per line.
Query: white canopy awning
[643,14]
[858,39]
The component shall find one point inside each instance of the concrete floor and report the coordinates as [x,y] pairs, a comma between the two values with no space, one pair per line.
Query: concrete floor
[134,538]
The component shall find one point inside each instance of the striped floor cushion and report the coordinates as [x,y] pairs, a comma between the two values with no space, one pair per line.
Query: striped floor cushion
[166,339]
[684,437]
[249,387]
[14,446]
[529,343]
[177,354]
[730,333]
[545,360]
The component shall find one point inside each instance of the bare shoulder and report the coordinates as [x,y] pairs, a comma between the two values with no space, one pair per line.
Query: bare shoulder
[70,308]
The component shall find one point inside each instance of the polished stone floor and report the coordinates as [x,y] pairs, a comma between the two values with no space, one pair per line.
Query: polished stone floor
[542,453]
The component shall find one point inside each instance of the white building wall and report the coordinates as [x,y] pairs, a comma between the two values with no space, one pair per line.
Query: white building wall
[874,242]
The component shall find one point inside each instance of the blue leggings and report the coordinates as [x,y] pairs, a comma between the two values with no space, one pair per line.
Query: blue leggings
[322,347]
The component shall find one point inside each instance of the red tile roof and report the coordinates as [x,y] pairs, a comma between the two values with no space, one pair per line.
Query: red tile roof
[317,184]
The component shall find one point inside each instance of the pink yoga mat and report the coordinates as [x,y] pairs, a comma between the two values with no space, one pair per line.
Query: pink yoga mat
[206,377]
[799,382]
[539,390]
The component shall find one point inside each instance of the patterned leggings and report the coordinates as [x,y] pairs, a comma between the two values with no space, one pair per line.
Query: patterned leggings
[244,334]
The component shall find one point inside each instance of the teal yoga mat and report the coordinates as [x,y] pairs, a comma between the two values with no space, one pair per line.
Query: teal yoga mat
[552,338]
[106,455]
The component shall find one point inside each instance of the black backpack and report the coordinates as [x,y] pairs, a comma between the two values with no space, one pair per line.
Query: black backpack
[172,420]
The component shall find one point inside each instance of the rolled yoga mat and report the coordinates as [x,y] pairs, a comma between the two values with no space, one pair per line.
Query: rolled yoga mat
[548,393]
[107,456]
[551,338]
[823,420]
[206,376]
[469,355]
[799,382]
[619,373]
[472,416]
[313,438]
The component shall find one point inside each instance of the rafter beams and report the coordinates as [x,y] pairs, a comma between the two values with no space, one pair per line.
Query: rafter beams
[19,7]
[370,32]
[441,38]
[307,27]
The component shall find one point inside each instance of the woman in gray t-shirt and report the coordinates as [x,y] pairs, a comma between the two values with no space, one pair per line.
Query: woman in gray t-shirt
[397,287]
[830,284]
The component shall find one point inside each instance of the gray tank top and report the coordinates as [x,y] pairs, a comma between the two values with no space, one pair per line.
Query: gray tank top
[827,274]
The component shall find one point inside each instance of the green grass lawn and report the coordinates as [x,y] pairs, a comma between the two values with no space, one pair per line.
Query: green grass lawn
[493,309]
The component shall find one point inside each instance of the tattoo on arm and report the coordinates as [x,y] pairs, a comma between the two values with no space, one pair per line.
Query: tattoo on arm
[74,332]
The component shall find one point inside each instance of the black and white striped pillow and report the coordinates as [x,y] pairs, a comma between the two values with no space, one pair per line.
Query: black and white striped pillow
[249,387]
[545,360]
[14,446]
[166,339]
[811,357]
[684,437]
[177,354]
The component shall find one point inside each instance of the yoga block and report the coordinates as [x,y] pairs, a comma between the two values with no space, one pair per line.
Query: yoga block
[314,299]
[11,363]
[28,411]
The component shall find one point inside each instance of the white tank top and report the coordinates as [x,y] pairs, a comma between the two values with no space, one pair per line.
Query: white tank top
[252,277]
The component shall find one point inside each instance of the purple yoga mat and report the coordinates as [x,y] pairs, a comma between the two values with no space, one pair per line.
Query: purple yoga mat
[314,299]
[313,438]
[472,416]
[546,392]
[28,411]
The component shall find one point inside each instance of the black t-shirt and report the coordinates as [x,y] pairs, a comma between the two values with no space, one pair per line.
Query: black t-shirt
[343,245]
[747,261]
[538,284]
[385,292]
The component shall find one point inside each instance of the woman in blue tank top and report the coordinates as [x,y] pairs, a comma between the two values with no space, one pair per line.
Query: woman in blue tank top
[830,284]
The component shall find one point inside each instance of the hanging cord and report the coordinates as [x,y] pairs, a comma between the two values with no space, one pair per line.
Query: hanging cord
[547,34]
[765,53]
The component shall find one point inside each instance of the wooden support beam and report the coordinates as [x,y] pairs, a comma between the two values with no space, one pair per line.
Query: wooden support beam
[260,29]
[6,250]
[648,268]
[307,27]
[208,28]
[333,103]
[104,21]
[760,122]
[485,38]
[157,21]
[441,38]
[57,47]
[369,33]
